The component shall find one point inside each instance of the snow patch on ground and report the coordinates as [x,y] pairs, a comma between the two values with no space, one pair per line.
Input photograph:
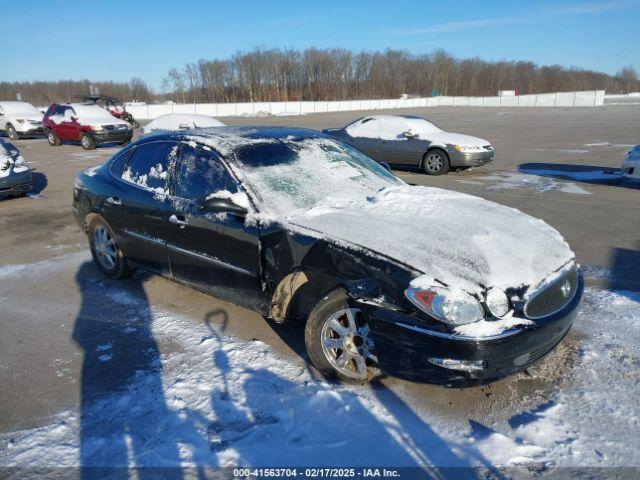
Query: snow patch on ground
[511,180]
[221,401]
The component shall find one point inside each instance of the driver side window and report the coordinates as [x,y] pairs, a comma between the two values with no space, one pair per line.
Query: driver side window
[201,173]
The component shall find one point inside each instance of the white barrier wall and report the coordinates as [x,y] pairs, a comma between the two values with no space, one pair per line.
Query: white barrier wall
[590,98]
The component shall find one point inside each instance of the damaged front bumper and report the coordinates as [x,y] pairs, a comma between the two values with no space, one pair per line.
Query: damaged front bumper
[407,349]
[16,184]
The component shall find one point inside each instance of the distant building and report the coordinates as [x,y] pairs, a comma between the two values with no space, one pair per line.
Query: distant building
[406,96]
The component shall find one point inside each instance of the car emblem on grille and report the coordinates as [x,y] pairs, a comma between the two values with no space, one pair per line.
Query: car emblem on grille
[565,288]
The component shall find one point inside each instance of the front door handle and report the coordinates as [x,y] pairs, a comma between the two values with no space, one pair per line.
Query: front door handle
[113,201]
[179,220]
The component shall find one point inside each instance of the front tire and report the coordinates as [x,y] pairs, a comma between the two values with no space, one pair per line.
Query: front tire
[87,141]
[105,250]
[435,162]
[338,340]
[52,138]
[12,132]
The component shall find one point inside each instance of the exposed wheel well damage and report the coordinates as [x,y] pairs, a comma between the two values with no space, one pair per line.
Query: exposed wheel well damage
[297,294]
[87,221]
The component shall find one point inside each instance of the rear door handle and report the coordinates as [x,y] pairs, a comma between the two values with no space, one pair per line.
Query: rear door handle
[179,220]
[113,201]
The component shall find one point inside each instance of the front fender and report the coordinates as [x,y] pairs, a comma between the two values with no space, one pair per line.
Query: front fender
[293,262]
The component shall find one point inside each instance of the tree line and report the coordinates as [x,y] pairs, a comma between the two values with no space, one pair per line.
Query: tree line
[337,74]
[42,93]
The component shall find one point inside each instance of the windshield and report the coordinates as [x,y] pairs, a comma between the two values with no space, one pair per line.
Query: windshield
[299,174]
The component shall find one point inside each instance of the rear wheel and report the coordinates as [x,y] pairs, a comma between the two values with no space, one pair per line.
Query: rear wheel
[338,340]
[87,141]
[52,138]
[105,250]
[11,132]
[435,162]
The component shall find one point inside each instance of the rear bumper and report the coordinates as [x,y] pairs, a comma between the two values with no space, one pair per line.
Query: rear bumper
[404,349]
[15,184]
[475,159]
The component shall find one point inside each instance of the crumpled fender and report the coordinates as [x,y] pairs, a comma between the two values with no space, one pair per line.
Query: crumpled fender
[298,265]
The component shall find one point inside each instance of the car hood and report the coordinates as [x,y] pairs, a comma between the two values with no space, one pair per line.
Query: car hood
[460,240]
[27,116]
[458,139]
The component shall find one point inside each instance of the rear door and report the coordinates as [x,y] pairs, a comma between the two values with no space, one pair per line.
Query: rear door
[395,148]
[367,138]
[216,253]
[138,208]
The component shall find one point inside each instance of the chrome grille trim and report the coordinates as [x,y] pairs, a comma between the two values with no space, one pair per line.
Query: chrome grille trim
[547,295]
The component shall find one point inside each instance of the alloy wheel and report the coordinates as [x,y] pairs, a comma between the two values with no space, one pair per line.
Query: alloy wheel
[434,162]
[105,247]
[347,345]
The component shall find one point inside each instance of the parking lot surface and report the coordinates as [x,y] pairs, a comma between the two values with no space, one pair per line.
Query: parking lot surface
[575,407]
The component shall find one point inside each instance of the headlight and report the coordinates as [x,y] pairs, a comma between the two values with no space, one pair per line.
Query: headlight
[452,308]
[497,302]
[97,128]
[468,148]
[20,162]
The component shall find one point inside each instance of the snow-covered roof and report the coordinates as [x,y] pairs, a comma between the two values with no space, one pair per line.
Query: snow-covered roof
[181,121]
[390,127]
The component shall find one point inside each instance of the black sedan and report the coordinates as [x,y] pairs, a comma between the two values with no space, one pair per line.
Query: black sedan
[416,282]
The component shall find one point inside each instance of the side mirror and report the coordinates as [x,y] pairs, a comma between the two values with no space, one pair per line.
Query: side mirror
[222,205]
[409,135]
[386,166]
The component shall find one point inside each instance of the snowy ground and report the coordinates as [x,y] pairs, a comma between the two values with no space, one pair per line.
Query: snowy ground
[216,400]
[127,373]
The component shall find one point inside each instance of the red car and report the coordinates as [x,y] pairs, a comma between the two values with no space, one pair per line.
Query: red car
[87,123]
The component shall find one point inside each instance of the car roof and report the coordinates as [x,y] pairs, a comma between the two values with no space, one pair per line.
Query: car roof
[227,139]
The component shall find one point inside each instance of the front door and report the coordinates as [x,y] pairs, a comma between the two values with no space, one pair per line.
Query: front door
[68,126]
[401,151]
[215,252]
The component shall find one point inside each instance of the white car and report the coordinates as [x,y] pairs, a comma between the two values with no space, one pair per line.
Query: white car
[631,164]
[409,140]
[20,119]
[180,121]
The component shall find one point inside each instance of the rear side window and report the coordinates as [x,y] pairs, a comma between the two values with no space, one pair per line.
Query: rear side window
[201,173]
[149,164]
[116,166]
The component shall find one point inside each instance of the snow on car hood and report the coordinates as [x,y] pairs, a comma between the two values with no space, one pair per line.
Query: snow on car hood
[457,239]
[457,139]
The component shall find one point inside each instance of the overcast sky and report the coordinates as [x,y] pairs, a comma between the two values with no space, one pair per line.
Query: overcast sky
[119,39]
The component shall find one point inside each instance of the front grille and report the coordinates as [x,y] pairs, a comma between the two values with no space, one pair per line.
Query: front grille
[553,296]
